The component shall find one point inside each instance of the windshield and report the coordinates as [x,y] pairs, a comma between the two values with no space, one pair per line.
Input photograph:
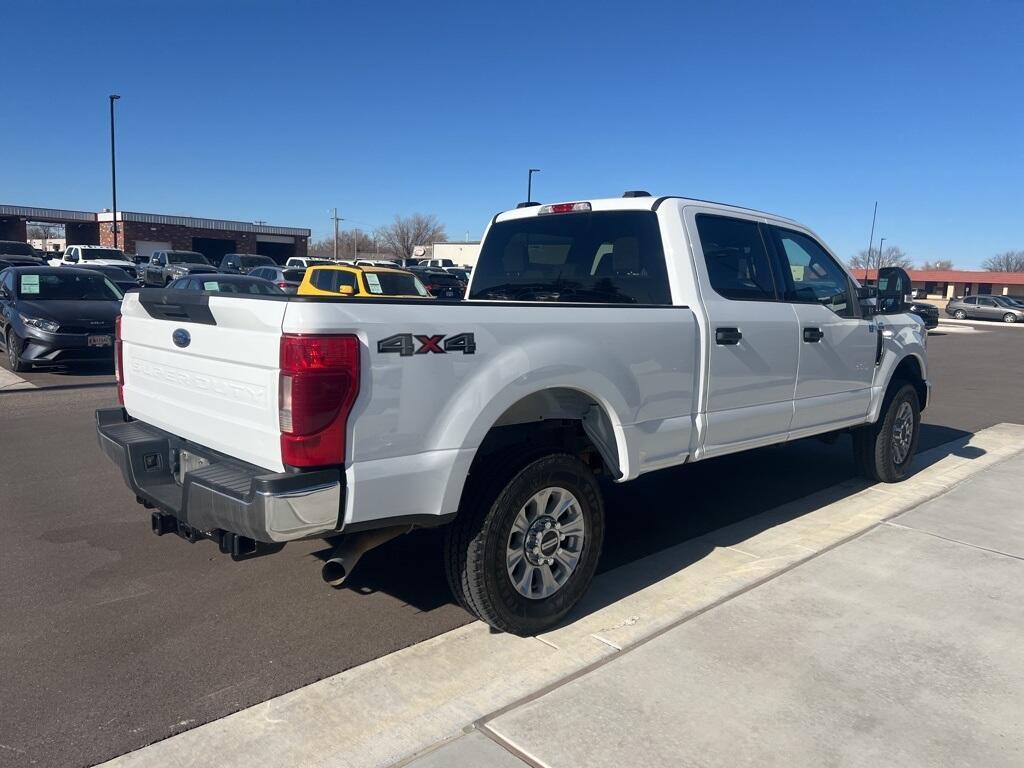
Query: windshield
[393,284]
[67,287]
[14,248]
[257,261]
[601,257]
[92,254]
[1006,301]
[185,257]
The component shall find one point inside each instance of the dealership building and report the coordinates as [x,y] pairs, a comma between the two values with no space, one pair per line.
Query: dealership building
[945,284]
[143,233]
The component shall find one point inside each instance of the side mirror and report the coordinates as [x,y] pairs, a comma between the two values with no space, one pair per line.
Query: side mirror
[867,297]
[346,290]
[893,290]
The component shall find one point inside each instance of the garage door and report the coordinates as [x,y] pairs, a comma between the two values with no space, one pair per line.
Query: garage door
[146,247]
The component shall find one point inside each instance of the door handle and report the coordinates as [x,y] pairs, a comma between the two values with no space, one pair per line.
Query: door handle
[727,336]
[813,334]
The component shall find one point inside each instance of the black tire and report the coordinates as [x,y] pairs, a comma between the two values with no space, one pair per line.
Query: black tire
[1009,317]
[960,315]
[475,544]
[13,348]
[874,446]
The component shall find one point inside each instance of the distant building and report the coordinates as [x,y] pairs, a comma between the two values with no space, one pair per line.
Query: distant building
[948,283]
[143,233]
[460,251]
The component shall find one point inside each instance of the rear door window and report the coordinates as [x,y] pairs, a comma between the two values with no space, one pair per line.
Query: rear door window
[605,257]
[736,258]
[332,279]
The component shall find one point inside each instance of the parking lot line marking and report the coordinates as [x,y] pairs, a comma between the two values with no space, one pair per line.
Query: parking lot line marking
[10,380]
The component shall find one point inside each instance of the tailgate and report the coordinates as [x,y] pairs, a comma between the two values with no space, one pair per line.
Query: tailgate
[205,368]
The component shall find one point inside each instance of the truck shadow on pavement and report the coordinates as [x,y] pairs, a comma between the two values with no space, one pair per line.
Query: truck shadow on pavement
[659,511]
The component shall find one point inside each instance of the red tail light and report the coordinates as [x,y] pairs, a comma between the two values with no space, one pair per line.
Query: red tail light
[318,385]
[118,360]
[282,286]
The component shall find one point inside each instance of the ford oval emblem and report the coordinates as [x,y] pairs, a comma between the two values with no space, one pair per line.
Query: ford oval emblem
[181,338]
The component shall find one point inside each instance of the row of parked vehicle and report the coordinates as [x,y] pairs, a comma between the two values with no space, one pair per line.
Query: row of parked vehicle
[63,311]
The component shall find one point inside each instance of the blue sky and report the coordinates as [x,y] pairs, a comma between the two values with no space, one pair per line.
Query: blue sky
[279,111]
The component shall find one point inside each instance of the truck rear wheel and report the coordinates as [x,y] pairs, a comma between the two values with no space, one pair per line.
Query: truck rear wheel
[521,555]
[885,450]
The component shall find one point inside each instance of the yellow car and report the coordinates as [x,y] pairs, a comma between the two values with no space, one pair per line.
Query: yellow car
[361,282]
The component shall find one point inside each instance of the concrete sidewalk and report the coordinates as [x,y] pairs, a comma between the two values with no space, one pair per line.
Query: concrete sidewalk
[899,647]
[859,621]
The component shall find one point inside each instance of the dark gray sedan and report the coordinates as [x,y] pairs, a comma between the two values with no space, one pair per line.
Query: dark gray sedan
[56,315]
[986,308]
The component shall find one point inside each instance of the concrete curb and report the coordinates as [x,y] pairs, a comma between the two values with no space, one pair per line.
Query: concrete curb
[9,381]
[398,706]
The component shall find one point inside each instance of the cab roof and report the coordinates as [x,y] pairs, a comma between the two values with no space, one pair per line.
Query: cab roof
[633,201]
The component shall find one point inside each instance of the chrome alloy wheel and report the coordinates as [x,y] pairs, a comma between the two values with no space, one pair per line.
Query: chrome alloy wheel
[902,432]
[545,543]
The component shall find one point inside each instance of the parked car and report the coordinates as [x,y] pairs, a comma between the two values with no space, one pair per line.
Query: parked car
[165,266]
[362,282]
[440,283]
[285,278]
[387,263]
[460,272]
[226,283]
[22,261]
[17,252]
[306,261]
[55,315]
[985,308]
[101,256]
[241,263]
[590,347]
[439,263]
[116,275]
[927,312]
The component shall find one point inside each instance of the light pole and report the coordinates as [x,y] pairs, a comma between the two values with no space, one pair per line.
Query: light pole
[529,184]
[878,264]
[113,168]
[335,219]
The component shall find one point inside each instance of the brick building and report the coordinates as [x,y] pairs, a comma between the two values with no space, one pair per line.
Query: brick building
[143,233]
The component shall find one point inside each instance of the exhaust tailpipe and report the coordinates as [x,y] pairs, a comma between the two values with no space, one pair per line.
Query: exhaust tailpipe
[344,557]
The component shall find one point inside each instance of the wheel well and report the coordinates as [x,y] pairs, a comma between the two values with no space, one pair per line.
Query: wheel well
[909,370]
[555,419]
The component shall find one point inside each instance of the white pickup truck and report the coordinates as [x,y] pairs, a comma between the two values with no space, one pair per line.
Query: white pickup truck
[94,255]
[605,337]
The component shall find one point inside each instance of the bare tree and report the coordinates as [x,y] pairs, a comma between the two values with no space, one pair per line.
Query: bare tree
[893,256]
[1010,261]
[405,233]
[352,243]
[939,264]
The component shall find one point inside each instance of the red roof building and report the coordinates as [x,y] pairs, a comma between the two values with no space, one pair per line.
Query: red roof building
[947,283]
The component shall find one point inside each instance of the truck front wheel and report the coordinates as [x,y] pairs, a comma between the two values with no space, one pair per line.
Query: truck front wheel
[520,556]
[885,450]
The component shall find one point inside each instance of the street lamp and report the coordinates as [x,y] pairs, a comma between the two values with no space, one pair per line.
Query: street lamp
[113,168]
[529,184]
[878,264]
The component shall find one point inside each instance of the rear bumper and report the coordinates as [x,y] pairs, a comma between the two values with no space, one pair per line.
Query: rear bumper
[224,497]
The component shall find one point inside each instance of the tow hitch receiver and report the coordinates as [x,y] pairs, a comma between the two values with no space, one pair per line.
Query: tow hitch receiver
[239,547]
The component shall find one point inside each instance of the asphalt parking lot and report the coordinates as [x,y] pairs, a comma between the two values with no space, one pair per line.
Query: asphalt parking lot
[112,638]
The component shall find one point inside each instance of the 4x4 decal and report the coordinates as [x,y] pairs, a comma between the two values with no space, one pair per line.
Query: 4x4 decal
[405,344]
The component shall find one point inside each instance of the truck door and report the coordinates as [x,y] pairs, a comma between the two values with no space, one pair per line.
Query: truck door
[752,347]
[838,346]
